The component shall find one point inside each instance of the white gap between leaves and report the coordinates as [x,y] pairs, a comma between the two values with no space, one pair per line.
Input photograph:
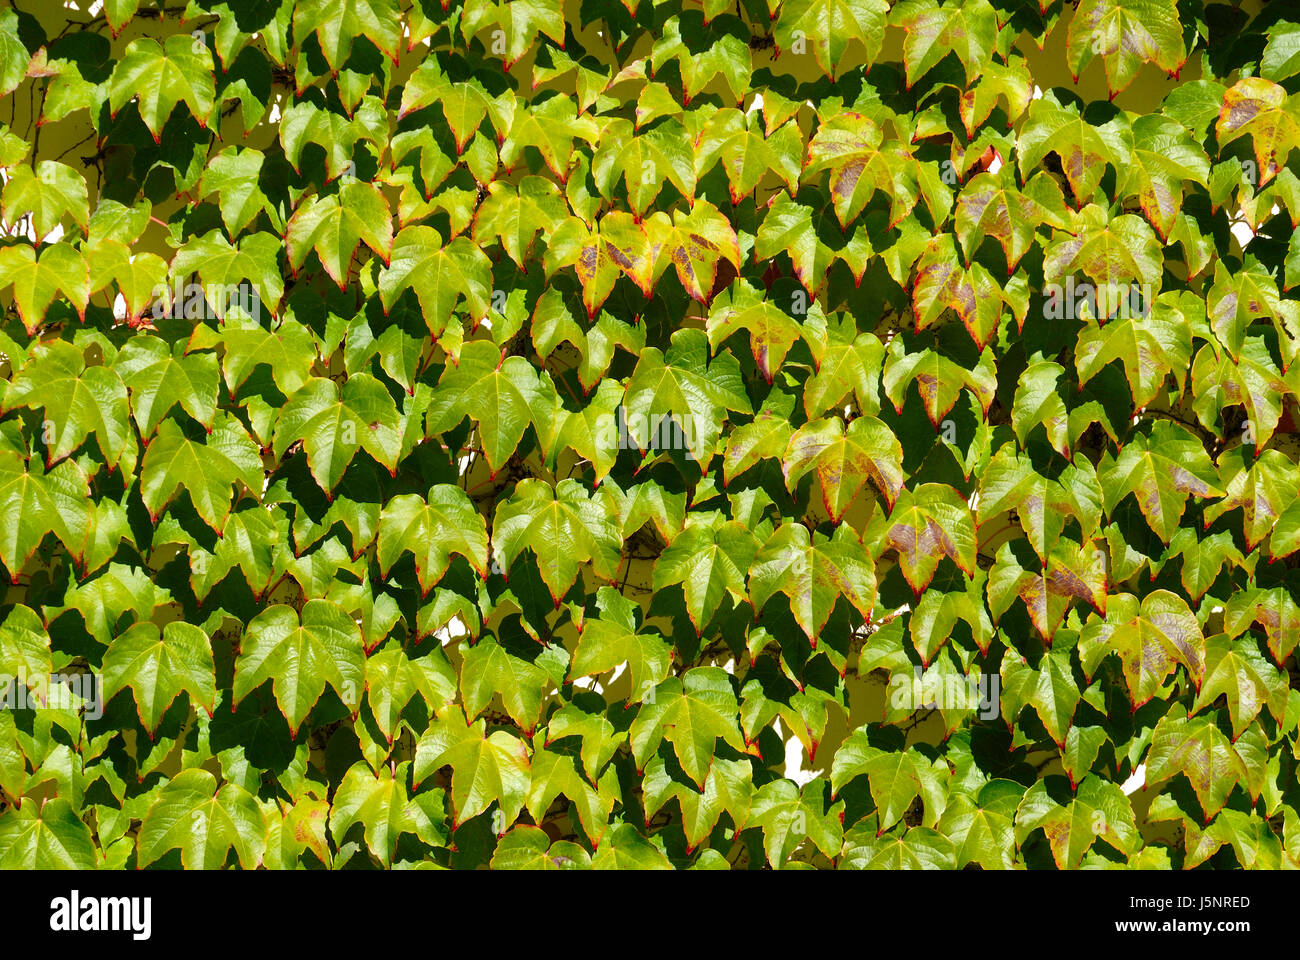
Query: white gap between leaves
[1136,782]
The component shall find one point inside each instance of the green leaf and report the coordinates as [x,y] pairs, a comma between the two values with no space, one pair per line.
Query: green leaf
[529,848]
[788,817]
[927,524]
[830,25]
[692,713]
[157,665]
[380,802]
[48,193]
[1263,110]
[484,767]
[684,385]
[844,459]
[335,225]
[814,572]
[332,424]
[1236,670]
[969,29]
[1126,34]
[1199,750]
[1161,470]
[432,528]
[1151,638]
[710,563]
[615,638]
[204,822]
[160,77]
[300,656]
[562,525]
[77,399]
[1098,810]
[207,471]
[46,836]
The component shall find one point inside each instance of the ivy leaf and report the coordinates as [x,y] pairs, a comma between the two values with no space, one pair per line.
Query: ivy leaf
[489,670]
[969,29]
[1151,637]
[24,644]
[852,147]
[59,270]
[207,471]
[529,848]
[814,572]
[162,76]
[788,816]
[981,825]
[502,394]
[692,713]
[942,284]
[939,380]
[848,362]
[1070,572]
[335,225]
[332,424]
[830,25]
[300,656]
[709,562]
[157,665]
[1083,148]
[158,377]
[1264,110]
[1112,252]
[562,525]
[896,778]
[683,384]
[694,242]
[1050,689]
[441,275]
[1236,670]
[1161,469]
[484,767]
[1099,809]
[844,459]
[991,205]
[556,773]
[1197,748]
[205,822]
[926,524]
[432,528]
[13,53]
[45,836]
[233,175]
[615,638]
[336,22]
[379,801]
[1150,346]
[1162,157]
[1126,34]
[618,245]
[47,193]
[515,215]
[78,400]
[771,330]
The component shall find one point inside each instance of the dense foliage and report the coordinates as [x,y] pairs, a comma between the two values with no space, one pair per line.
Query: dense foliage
[556,433]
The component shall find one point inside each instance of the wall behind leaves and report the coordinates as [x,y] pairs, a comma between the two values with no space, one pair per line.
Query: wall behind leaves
[554,434]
